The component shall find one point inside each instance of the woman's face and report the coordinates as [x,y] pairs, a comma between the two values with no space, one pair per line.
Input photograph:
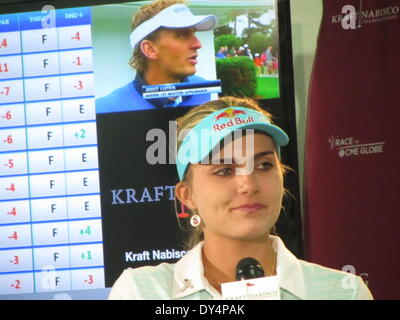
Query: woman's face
[239,206]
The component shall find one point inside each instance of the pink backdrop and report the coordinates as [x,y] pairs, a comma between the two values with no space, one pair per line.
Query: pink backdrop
[352,192]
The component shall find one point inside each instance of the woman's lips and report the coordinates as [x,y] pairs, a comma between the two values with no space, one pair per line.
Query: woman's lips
[250,207]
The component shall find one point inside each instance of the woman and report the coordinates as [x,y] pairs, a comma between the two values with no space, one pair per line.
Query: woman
[231,181]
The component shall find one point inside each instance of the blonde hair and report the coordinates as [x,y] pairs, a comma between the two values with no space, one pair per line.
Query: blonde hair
[138,61]
[188,121]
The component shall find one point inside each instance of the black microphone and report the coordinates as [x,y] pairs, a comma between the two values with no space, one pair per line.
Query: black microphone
[249,268]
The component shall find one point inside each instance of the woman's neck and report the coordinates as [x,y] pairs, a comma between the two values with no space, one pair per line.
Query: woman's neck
[221,256]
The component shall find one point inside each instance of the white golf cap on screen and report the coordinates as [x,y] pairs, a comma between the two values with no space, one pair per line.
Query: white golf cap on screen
[173,17]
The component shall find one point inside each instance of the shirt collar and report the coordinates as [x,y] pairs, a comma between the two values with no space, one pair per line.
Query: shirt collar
[189,272]
[288,269]
[189,275]
[159,103]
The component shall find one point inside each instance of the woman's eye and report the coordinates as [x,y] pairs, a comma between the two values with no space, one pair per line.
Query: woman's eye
[224,171]
[264,165]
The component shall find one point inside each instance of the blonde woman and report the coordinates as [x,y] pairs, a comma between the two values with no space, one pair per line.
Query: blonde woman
[233,189]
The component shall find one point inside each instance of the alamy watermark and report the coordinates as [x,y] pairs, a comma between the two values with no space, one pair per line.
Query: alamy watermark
[349,281]
[198,143]
[50,280]
[49,19]
[352,19]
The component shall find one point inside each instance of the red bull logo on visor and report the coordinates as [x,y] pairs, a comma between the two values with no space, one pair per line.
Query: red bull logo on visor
[232,115]
[229,113]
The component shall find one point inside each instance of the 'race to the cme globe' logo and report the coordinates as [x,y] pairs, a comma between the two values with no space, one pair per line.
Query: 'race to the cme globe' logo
[350,147]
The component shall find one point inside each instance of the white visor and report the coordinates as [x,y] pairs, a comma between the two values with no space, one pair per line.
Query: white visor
[173,17]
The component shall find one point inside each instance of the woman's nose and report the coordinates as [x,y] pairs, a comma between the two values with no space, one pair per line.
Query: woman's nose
[246,184]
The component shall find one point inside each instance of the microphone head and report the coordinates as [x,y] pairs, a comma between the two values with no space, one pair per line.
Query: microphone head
[249,268]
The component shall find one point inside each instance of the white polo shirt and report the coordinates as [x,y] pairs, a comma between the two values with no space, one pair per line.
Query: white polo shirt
[185,279]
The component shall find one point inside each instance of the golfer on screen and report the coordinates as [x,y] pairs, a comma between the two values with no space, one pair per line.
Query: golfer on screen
[165,51]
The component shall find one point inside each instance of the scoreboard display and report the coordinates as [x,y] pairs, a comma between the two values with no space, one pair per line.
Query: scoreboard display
[50,213]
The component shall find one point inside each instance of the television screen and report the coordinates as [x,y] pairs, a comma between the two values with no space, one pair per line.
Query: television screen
[87,171]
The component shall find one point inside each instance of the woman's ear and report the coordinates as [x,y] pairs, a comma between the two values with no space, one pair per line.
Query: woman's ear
[184,195]
[149,49]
